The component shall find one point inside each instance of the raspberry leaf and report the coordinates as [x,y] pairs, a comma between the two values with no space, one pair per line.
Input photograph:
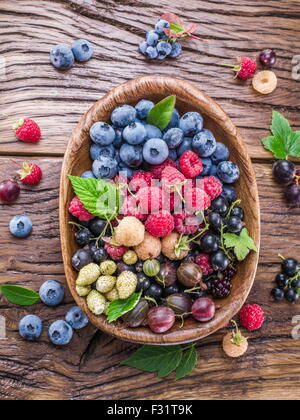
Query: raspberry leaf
[284,142]
[187,363]
[19,295]
[120,307]
[160,115]
[241,244]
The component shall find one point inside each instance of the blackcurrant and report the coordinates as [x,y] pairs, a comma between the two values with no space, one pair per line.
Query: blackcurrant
[292,194]
[154,291]
[284,171]
[83,237]
[291,295]
[81,258]
[234,224]
[282,280]
[143,282]
[139,267]
[296,283]
[278,294]
[99,255]
[97,227]
[220,205]
[170,290]
[268,58]
[209,243]
[219,261]
[290,267]
[238,212]
[215,220]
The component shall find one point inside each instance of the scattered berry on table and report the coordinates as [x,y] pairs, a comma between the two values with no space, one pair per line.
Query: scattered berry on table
[164,49]
[60,333]
[82,50]
[76,318]
[30,327]
[161,25]
[292,194]
[282,280]
[9,191]
[278,294]
[204,143]
[152,38]
[234,344]
[77,210]
[151,52]
[52,293]
[62,57]
[28,131]
[245,69]
[252,317]
[268,58]
[20,226]
[291,295]
[265,82]
[284,171]
[290,267]
[176,50]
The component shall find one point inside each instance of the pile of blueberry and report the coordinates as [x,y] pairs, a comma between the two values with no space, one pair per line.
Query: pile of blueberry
[288,281]
[60,332]
[157,45]
[63,57]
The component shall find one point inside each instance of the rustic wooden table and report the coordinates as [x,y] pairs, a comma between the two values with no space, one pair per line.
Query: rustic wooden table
[89,367]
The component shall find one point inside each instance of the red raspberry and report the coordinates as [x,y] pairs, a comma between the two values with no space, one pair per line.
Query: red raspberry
[27,130]
[160,224]
[245,69]
[30,174]
[190,164]
[141,180]
[115,252]
[171,201]
[150,199]
[212,186]
[204,261]
[197,199]
[252,317]
[130,208]
[172,179]
[76,209]
[186,223]
[158,169]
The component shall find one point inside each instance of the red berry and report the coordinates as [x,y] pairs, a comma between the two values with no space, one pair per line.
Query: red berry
[130,208]
[9,191]
[27,130]
[141,180]
[160,319]
[203,309]
[212,186]
[77,210]
[245,69]
[172,179]
[252,317]
[190,164]
[150,199]
[157,170]
[171,201]
[160,224]
[115,252]
[204,261]
[31,174]
[186,223]
[196,199]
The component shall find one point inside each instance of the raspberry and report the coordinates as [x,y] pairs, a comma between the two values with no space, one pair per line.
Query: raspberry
[30,174]
[221,288]
[171,201]
[186,223]
[197,199]
[27,130]
[204,261]
[190,164]
[172,179]
[115,252]
[141,180]
[158,169]
[212,186]
[130,208]
[245,69]
[160,223]
[252,317]
[76,209]
[150,199]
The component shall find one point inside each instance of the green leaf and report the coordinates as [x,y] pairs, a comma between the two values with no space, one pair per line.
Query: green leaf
[19,295]
[120,307]
[187,363]
[160,115]
[100,198]
[160,359]
[241,244]
[285,142]
[177,29]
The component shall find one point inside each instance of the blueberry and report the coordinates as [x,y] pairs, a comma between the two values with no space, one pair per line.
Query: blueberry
[229,193]
[176,50]
[132,156]
[97,151]
[119,137]
[143,47]
[152,38]
[152,53]
[214,170]
[88,174]
[228,172]
[174,120]
[135,133]
[83,237]
[207,166]
[102,133]
[173,137]
[60,333]
[76,318]
[173,154]
[123,115]
[124,170]
[153,132]
[20,226]
[82,50]
[220,154]
[30,327]
[143,107]
[62,57]
[204,143]
[155,151]
[161,25]
[105,167]
[52,293]
[81,258]
[191,123]
[164,49]
[185,145]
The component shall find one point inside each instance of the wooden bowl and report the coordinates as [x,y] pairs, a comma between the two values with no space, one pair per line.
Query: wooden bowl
[77,160]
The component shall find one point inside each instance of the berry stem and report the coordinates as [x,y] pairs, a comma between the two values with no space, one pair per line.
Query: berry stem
[233,205]
[150,299]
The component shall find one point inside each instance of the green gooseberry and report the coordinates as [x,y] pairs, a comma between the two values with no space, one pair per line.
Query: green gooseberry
[151,268]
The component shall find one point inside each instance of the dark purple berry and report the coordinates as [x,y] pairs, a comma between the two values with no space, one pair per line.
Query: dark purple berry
[83,237]
[81,258]
[292,194]
[219,261]
[268,58]
[291,295]
[221,288]
[282,280]
[290,267]
[284,171]
[278,294]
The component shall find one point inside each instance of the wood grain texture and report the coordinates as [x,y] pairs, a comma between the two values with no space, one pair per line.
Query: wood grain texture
[89,367]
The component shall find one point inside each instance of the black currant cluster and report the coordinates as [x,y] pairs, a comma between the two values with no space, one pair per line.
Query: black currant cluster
[288,281]
[285,172]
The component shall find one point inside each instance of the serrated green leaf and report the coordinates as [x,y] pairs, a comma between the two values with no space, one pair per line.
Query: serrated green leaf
[160,115]
[19,295]
[100,198]
[160,359]
[277,146]
[241,244]
[280,125]
[120,307]
[187,363]
[294,144]
[177,29]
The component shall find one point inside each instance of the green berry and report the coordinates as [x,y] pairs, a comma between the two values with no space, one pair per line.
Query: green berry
[105,283]
[130,258]
[151,268]
[83,290]
[108,268]
[96,302]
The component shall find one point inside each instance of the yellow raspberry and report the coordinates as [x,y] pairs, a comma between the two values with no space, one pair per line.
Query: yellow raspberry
[129,232]
[150,248]
[234,344]
[265,82]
